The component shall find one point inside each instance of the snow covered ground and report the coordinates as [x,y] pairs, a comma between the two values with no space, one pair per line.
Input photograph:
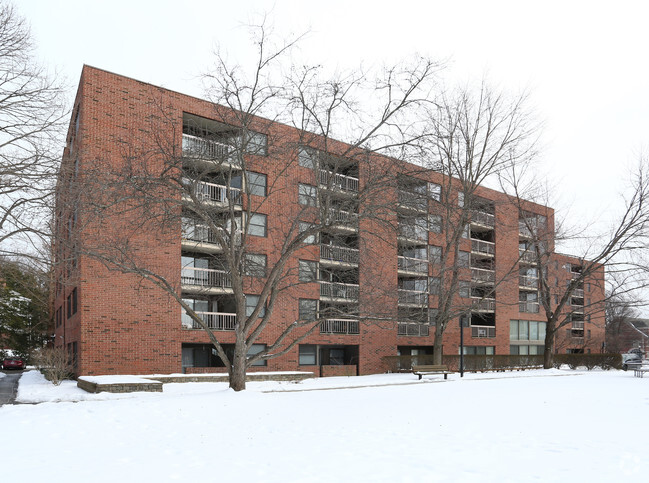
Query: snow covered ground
[523,426]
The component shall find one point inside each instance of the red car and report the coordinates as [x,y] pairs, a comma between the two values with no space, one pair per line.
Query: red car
[13,363]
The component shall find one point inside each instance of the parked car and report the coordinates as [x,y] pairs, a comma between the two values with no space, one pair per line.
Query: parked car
[631,359]
[13,363]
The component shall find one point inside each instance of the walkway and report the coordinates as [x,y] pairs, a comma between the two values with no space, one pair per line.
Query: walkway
[9,387]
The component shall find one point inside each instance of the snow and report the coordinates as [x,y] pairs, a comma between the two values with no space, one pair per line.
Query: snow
[116,379]
[2,374]
[555,425]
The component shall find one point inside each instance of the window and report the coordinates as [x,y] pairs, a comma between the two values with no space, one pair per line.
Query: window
[479,350]
[74,301]
[460,199]
[256,349]
[434,285]
[526,330]
[307,355]
[257,143]
[307,158]
[308,309]
[307,271]
[588,287]
[257,225]
[556,282]
[465,289]
[434,191]
[435,223]
[435,254]
[254,265]
[465,231]
[198,306]
[311,239]
[556,299]
[526,350]
[306,195]
[251,305]
[463,259]
[432,316]
[257,184]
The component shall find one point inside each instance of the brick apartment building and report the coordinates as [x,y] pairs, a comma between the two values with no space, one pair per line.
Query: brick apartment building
[357,269]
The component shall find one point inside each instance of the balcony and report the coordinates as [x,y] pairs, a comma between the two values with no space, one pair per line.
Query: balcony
[483,305]
[338,182]
[205,149]
[483,247]
[413,232]
[415,265]
[338,254]
[483,332]
[578,325]
[336,290]
[483,219]
[412,297]
[528,307]
[205,278]
[339,326]
[482,275]
[525,281]
[412,201]
[413,329]
[526,256]
[214,193]
[214,320]
[578,293]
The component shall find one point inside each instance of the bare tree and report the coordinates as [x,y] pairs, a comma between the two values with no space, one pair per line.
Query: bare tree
[473,136]
[619,251]
[620,310]
[31,115]
[212,192]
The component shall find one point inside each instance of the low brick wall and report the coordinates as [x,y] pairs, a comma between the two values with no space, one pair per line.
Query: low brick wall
[95,387]
[328,371]
[251,376]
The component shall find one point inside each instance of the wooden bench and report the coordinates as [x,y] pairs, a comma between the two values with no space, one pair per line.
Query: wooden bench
[430,370]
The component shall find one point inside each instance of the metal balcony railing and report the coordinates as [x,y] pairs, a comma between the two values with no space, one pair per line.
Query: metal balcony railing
[413,232]
[413,264]
[338,181]
[484,247]
[528,307]
[339,326]
[339,254]
[527,281]
[484,219]
[483,332]
[214,320]
[526,256]
[215,192]
[578,325]
[205,277]
[482,275]
[413,329]
[347,291]
[412,297]
[197,147]
[416,201]
[341,216]
[488,305]
[578,293]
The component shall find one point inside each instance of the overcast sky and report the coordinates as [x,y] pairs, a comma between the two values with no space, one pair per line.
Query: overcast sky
[585,63]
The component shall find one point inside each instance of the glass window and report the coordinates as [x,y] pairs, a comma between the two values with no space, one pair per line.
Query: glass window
[254,265]
[465,289]
[257,143]
[307,158]
[307,355]
[523,333]
[435,254]
[513,330]
[256,349]
[311,239]
[542,330]
[306,195]
[257,225]
[257,184]
[435,191]
[523,350]
[434,285]
[534,330]
[435,223]
[308,309]
[251,305]
[463,259]
[307,271]
[460,199]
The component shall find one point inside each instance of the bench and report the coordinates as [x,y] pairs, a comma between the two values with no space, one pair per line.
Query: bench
[430,370]
[640,369]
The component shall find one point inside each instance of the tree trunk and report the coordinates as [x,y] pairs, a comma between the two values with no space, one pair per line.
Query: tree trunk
[238,372]
[548,349]
[437,346]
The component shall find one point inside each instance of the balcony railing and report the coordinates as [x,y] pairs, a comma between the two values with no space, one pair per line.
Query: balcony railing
[338,181]
[341,216]
[483,332]
[339,326]
[196,147]
[526,256]
[413,329]
[214,320]
[347,291]
[528,307]
[198,233]
[215,192]
[482,275]
[416,201]
[339,254]
[577,325]
[205,277]
[484,247]
[413,264]
[488,305]
[484,219]
[413,232]
[578,293]
[527,281]
[412,297]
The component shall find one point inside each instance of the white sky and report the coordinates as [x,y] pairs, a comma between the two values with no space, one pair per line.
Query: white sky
[585,63]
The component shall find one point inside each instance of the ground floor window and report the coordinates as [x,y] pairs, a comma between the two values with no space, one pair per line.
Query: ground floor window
[479,350]
[328,355]
[205,355]
[526,350]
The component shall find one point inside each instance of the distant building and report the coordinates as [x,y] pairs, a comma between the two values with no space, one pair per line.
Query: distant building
[112,323]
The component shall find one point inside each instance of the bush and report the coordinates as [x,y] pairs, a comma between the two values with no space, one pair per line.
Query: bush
[54,363]
[590,361]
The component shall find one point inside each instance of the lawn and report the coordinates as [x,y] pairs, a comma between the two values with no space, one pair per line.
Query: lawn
[557,425]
